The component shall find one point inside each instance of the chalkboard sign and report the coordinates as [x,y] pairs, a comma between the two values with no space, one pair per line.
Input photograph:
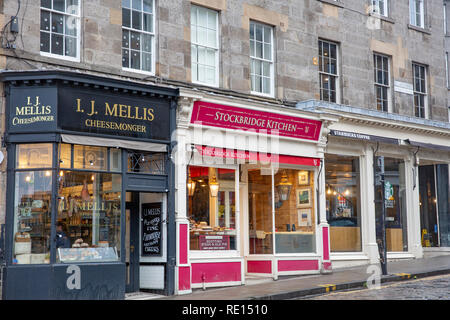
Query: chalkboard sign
[151,229]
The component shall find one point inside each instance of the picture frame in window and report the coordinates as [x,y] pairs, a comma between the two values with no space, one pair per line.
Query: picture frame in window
[304,217]
[303,178]
[304,197]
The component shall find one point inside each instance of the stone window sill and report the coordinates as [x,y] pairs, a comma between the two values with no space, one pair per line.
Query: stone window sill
[383,18]
[419,29]
[334,3]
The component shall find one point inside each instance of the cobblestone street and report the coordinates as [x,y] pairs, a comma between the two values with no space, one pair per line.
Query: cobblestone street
[433,288]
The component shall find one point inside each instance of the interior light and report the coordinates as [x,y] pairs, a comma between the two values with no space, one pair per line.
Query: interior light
[214,186]
[284,187]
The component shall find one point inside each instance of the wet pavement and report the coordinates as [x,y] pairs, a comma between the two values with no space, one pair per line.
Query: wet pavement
[433,288]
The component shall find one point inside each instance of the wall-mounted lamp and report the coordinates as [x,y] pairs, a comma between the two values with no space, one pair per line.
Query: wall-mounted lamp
[191,186]
[214,186]
[284,187]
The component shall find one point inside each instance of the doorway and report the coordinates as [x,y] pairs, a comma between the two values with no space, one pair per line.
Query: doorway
[145,241]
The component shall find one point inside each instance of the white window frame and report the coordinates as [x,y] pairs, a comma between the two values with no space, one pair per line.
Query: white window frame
[378,84]
[216,48]
[336,75]
[377,8]
[77,18]
[425,90]
[271,62]
[152,34]
[413,13]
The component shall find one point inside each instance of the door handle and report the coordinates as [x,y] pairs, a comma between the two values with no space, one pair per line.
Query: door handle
[132,248]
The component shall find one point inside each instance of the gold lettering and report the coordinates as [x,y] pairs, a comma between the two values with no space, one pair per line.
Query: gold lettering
[109,111]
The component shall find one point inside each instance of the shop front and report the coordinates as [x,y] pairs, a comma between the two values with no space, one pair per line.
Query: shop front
[386,180]
[249,188]
[90,187]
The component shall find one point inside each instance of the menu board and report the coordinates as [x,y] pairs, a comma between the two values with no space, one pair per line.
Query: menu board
[151,229]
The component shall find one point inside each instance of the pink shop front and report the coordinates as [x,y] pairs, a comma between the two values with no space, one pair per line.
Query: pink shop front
[250,195]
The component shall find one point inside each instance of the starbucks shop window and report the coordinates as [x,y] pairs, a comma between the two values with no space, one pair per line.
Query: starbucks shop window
[212,208]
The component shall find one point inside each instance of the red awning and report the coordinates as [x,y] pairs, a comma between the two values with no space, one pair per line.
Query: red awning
[256,156]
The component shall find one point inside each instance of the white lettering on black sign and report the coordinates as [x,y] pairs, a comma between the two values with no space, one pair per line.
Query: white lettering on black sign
[151,229]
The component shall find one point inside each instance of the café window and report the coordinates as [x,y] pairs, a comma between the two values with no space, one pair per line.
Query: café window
[212,208]
[89,204]
[395,203]
[287,199]
[32,204]
[343,202]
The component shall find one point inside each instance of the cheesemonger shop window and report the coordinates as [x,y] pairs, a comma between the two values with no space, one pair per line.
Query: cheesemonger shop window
[212,208]
[32,203]
[89,210]
[342,178]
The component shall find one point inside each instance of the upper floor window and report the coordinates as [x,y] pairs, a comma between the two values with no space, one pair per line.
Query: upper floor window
[60,28]
[417,13]
[138,34]
[205,46]
[382,82]
[380,7]
[420,90]
[261,59]
[328,71]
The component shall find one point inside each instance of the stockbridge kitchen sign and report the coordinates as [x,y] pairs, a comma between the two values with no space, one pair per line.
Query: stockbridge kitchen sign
[88,110]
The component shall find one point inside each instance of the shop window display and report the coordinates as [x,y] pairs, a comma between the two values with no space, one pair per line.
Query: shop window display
[286,198]
[212,208]
[395,203]
[342,179]
[294,211]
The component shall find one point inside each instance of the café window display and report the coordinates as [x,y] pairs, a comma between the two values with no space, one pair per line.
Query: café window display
[89,205]
[289,195]
[212,208]
[395,204]
[343,204]
[32,204]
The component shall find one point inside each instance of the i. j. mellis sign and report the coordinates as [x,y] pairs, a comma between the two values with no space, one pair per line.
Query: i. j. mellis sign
[46,109]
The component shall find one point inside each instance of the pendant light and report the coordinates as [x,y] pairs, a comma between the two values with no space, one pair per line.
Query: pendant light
[284,187]
[214,186]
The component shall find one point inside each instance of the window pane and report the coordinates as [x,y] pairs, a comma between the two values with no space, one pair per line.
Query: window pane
[135,40]
[37,155]
[267,52]
[146,42]
[137,4]
[46,4]
[395,203]
[148,22]
[126,17]
[57,44]
[258,33]
[58,5]
[294,211]
[202,17]
[70,27]
[126,3]
[148,6]
[125,38]
[72,6]
[88,222]
[89,158]
[343,202]
[260,212]
[65,155]
[32,217]
[211,38]
[212,209]
[136,20]
[71,47]
[45,42]
[266,85]
[146,62]
[146,162]
[57,22]
[45,20]
[125,58]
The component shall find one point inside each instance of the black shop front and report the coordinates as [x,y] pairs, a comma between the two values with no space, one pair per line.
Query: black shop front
[90,187]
